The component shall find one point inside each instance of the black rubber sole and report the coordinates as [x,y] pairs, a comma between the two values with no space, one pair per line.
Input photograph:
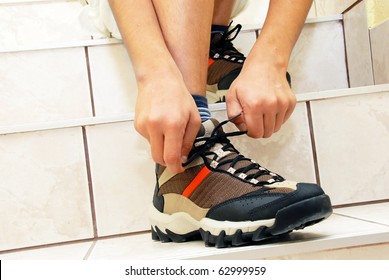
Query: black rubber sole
[293,217]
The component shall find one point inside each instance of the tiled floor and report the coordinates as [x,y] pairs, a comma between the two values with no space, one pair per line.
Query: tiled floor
[346,234]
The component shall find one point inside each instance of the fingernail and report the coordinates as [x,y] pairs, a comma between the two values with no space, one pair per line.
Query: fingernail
[184,159]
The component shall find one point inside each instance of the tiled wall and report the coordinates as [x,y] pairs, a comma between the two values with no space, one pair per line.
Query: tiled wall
[40,22]
[367,49]
[380,49]
[44,85]
[79,181]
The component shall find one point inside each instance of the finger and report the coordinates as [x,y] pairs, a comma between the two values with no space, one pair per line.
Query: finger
[157,145]
[269,121]
[279,121]
[190,135]
[234,109]
[255,125]
[290,109]
[173,141]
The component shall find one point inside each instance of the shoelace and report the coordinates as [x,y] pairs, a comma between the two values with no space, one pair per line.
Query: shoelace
[225,46]
[202,148]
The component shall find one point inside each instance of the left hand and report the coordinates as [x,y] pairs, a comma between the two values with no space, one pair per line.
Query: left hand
[261,94]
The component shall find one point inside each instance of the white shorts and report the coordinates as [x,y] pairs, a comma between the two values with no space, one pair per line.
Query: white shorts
[97,18]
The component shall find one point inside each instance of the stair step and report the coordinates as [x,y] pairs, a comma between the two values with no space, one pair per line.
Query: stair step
[358,232]
[99,168]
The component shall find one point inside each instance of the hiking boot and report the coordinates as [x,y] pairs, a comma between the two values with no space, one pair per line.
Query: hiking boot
[224,64]
[226,199]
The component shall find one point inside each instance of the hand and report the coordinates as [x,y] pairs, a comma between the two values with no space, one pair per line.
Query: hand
[262,95]
[167,116]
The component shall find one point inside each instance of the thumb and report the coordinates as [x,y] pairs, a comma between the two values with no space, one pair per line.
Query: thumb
[234,108]
[191,131]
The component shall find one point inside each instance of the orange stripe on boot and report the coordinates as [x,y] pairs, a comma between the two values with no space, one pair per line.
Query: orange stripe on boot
[196,181]
[210,62]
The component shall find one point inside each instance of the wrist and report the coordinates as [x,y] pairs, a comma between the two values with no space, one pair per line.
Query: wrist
[269,60]
[162,68]
[269,53]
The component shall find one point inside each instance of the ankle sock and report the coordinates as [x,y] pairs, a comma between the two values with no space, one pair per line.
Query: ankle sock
[218,28]
[202,106]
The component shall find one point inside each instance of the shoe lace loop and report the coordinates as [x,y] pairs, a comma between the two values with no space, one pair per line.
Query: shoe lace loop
[225,46]
[203,148]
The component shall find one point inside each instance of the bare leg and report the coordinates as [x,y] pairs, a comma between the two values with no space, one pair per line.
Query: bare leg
[186,26]
[222,12]
[168,42]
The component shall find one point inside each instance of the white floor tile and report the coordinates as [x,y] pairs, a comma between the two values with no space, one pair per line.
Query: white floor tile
[351,135]
[123,178]
[377,213]
[371,252]
[332,233]
[41,86]
[44,189]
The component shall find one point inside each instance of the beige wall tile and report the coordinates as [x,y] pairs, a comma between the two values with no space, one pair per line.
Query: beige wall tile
[40,86]
[113,80]
[123,178]
[288,152]
[256,11]
[357,39]
[318,60]
[44,189]
[332,7]
[27,24]
[379,37]
[245,41]
[351,135]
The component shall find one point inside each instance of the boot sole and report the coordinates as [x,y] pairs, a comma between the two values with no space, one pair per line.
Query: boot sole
[181,227]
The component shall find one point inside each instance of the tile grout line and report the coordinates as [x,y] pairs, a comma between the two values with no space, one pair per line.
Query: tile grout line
[346,53]
[363,203]
[90,184]
[90,250]
[90,81]
[352,6]
[371,57]
[301,97]
[313,142]
[72,242]
[44,246]
[361,219]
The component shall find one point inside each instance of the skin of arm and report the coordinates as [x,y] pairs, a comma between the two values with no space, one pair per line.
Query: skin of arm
[165,113]
[261,92]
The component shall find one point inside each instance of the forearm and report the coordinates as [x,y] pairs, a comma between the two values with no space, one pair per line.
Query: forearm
[143,38]
[280,32]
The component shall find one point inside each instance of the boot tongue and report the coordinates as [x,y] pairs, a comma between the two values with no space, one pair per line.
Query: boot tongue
[207,128]
[216,38]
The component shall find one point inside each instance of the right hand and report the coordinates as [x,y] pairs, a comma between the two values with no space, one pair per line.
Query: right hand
[167,116]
